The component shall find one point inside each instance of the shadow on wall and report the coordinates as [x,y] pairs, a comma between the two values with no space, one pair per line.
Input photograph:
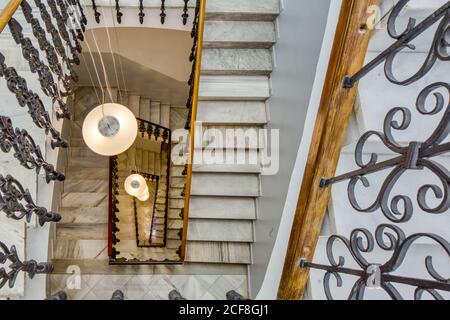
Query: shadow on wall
[138,79]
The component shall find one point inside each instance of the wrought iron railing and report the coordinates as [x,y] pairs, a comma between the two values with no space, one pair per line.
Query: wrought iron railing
[155,132]
[413,156]
[141,15]
[15,200]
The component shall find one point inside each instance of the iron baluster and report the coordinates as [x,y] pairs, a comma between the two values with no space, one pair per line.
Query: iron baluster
[96,13]
[163,11]
[74,49]
[415,156]
[25,97]
[185,14]
[141,11]
[17,203]
[59,47]
[49,87]
[26,151]
[31,267]
[117,295]
[118,13]
[437,51]
[373,275]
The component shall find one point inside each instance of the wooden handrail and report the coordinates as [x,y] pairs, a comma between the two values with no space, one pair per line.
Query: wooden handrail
[7,13]
[349,50]
[198,64]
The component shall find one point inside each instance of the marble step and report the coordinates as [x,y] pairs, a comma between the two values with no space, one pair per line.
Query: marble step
[84,199]
[94,266]
[232,112]
[204,252]
[220,230]
[225,184]
[234,87]
[218,252]
[239,34]
[78,231]
[88,185]
[155,112]
[222,208]
[231,136]
[82,152]
[177,182]
[84,215]
[144,109]
[236,62]
[77,173]
[242,10]
[89,162]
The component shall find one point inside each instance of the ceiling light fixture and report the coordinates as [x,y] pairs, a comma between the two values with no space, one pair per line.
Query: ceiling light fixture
[110,129]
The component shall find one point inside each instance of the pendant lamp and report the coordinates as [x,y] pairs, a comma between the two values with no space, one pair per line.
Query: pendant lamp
[135,185]
[110,129]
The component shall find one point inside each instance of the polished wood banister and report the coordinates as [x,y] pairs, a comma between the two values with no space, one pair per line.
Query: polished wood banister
[7,13]
[348,53]
[198,63]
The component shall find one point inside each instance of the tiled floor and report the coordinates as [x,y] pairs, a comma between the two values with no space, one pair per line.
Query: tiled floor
[148,287]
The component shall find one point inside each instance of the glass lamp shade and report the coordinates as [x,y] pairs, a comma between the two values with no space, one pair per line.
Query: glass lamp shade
[110,129]
[144,196]
[135,185]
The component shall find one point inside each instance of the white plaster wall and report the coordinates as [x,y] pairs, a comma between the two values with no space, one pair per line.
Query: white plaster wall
[272,276]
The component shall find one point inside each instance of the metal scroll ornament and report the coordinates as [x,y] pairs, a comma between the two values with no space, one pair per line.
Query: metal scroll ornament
[25,97]
[25,150]
[48,86]
[381,276]
[17,203]
[16,266]
[415,156]
[57,42]
[439,49]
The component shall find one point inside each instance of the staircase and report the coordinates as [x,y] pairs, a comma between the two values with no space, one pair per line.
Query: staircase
[237,62]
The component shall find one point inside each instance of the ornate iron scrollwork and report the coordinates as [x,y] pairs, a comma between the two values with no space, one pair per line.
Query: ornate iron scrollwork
[74,49]
[25,97]
[81,10]
[438,49]
[48,86]
[118,13]
[374,275]
[96,13]
[415,156]
[26,151]
[59,47]
[17,203]
[163,14]
[193,60]
[30,267]
[185,14]
[141,11]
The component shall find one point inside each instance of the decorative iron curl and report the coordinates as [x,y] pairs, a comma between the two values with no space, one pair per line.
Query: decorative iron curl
[96,13]
[415,156]
[30,267]
[163,14]
[17,203]
[118,13]
[438,49]
[74,49]
[49,87]
[26,151]
[185,14]
[59,47]
[141,14]
[25,97]
[372,275]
